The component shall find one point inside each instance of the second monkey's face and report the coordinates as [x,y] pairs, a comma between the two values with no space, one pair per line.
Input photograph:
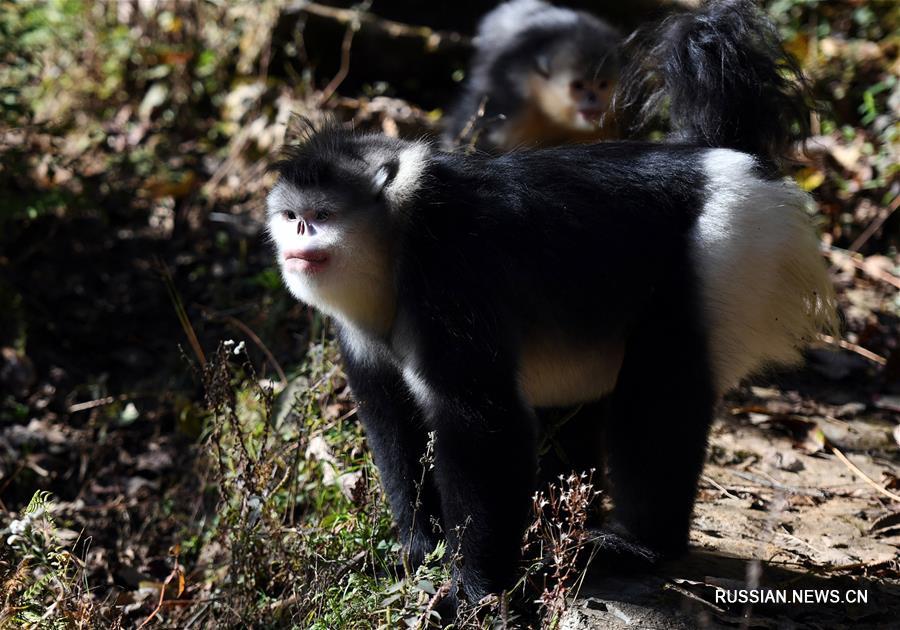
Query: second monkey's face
[572,92]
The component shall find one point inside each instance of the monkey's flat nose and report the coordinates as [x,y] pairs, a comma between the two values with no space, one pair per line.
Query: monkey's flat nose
[301,226]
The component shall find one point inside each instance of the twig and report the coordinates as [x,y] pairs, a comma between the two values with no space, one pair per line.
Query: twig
[683,591]
[852,347]
[434,40]
[721,488]
[91,404]
[875,225]
[344,69]
[470,125]
[235,148]
[784,532]
[855,469]
[777,485]
[858,261]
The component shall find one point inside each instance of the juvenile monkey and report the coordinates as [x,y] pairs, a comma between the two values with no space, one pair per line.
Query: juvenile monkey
[469,292]
[541,76]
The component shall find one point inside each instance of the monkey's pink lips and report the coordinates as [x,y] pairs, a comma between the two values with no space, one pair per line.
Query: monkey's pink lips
[305,261]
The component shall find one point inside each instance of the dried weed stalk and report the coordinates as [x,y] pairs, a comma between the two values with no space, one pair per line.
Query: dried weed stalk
[558,538]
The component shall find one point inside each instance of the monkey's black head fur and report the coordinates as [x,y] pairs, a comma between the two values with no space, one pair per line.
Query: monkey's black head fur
[315,155]
[726,78]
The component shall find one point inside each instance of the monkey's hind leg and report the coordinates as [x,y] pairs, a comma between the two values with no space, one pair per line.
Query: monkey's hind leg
[657,437]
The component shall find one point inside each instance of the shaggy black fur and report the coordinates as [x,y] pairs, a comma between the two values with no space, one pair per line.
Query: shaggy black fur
[725,77]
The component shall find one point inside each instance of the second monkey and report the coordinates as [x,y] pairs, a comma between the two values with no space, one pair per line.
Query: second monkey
[541,76]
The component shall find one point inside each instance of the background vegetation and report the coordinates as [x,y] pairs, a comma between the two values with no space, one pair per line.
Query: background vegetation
[177,442]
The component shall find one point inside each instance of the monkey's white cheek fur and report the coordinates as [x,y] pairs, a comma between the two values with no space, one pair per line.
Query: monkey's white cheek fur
[343,272]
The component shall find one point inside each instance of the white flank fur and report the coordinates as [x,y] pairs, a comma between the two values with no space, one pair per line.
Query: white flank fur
[765,289]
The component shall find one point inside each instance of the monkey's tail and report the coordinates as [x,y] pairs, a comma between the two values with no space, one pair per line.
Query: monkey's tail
[725,77]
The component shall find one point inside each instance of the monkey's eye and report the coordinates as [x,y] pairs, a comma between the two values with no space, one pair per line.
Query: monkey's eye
[577,85]
[603,84]
[322,215]
[290,215]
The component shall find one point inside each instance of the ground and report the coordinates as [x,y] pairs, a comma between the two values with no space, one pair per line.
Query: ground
[776,512]
[178,445]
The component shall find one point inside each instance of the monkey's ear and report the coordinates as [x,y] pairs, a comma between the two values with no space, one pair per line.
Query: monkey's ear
[384,176]
[542,65]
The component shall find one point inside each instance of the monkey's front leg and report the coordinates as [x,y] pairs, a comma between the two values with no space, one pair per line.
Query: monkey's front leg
[486,459]
[398,440]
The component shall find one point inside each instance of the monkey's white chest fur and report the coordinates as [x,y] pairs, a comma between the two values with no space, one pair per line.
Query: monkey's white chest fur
[555,372]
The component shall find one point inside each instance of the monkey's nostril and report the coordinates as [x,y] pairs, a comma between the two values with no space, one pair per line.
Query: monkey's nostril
[301,227]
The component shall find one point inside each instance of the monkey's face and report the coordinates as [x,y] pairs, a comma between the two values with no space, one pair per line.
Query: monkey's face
[330,250]
[571,92]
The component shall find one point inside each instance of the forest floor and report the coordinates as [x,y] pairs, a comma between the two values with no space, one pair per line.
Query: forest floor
[177,440]
[778,513]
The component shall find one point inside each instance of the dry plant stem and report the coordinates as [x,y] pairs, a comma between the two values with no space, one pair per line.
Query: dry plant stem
[440,594]
[852,347]
[470,125]
[353,563]
[176,573]
[234,321]
[427,461]
[181,312]
[855,469]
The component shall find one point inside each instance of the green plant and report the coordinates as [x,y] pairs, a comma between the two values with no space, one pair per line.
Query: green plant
[44,585]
